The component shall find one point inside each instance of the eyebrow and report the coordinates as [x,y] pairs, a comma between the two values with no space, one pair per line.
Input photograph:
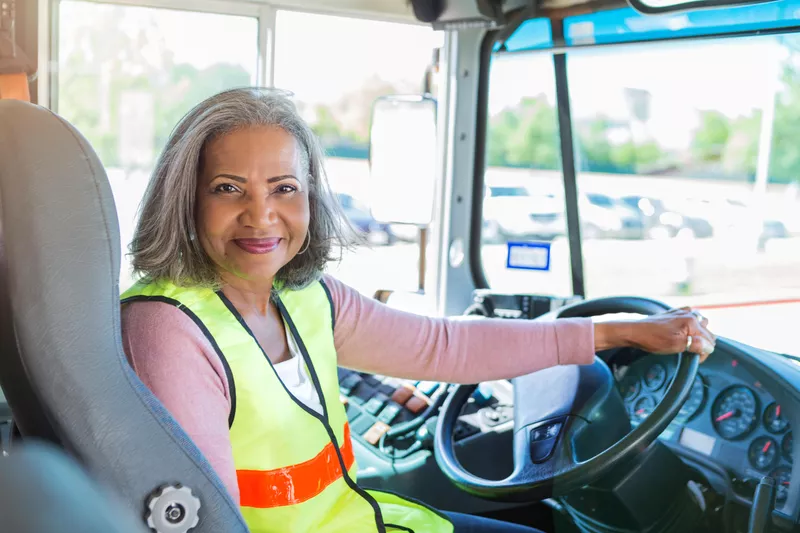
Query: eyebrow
[244,180]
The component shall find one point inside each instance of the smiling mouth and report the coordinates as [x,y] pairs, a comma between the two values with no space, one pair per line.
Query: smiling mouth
[258,246]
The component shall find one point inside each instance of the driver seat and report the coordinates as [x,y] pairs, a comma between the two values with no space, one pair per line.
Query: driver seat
[62,367]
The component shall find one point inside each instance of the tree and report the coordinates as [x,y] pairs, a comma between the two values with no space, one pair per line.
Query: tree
[105,63]
[785,156]
[525,135]
[712,136]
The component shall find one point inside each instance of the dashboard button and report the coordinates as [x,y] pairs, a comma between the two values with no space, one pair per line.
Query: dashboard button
[376,432]
[349,383]
[543,440]
[416,405]
[402,394]
[375,403]
[389,413]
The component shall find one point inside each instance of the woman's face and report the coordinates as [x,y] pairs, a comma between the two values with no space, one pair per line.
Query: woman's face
[252,202]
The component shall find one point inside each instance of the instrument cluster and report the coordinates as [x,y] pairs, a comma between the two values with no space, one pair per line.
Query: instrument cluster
[729,416]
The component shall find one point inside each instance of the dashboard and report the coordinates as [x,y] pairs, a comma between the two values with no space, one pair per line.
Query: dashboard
[731,418]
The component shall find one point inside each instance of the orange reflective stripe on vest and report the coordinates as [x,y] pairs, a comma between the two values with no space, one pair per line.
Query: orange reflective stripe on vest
[294,484]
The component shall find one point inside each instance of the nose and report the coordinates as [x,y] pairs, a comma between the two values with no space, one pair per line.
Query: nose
[259,212]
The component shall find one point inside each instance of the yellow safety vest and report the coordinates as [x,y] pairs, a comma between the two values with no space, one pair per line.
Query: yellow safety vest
[295,468]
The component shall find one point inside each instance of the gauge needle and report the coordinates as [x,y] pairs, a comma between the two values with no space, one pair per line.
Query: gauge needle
[777,411]
[726,416]
[765,449]
[640,412]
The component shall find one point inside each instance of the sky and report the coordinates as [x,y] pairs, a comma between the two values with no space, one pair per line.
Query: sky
[321,57]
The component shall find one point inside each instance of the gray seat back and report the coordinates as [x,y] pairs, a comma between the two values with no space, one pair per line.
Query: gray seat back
[44,491]
[62,366]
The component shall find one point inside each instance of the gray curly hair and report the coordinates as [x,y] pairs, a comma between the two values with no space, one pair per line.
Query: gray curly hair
[165,247]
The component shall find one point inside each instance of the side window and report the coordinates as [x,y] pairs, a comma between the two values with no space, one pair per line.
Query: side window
[335,82]
[688,178]
[523,185]
[127,74]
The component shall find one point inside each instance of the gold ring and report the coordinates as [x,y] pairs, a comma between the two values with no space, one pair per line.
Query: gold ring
[688,342]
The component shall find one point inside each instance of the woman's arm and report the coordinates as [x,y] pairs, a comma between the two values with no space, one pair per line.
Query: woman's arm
[372,337]
[173,358]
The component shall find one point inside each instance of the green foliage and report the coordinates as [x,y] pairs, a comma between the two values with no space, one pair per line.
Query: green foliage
[712,136]
[526,135]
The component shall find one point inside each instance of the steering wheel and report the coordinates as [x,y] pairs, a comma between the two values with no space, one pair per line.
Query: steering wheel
[570,422]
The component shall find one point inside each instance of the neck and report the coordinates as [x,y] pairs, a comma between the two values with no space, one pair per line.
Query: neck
[247,295]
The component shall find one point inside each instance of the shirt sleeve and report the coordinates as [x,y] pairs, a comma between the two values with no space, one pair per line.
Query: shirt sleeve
[372,337]
[176,362]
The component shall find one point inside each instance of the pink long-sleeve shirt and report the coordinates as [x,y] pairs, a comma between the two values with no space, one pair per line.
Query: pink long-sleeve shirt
[175,360]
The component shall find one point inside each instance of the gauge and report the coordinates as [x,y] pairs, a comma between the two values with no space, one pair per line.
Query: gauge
[629,387]
[786,446]
[697,397]
[774,420]
[763,453]
[655,377]
[643,407]
[782,476]
[735,412]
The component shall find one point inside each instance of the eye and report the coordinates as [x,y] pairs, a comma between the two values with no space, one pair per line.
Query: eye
[286,188]
[226,188]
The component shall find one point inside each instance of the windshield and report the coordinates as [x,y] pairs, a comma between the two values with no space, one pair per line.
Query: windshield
[687,177]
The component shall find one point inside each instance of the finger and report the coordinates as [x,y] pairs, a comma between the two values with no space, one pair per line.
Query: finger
[703,320]
[702,344]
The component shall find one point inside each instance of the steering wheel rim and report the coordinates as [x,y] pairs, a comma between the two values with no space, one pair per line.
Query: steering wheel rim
[524,484]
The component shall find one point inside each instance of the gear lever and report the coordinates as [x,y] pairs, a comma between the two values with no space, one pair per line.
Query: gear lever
[763,503]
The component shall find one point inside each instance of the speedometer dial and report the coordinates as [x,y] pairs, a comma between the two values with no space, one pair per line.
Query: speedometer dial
[629,387]
[642,408]
[763,453]
[774,420]
[655,377]
[735,412]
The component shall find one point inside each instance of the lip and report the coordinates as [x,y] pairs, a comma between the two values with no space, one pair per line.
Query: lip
[258,246]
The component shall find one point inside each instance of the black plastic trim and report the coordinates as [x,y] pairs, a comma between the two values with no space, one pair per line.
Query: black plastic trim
[188,312]
[645,9]
[481,129]
[569,174]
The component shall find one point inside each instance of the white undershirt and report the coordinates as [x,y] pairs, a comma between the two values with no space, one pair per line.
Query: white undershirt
[294,376]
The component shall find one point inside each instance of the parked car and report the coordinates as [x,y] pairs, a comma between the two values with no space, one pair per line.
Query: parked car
[660,219]
[363,221]
[514,212]
[604,217]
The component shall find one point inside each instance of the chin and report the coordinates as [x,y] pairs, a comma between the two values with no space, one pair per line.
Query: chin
[255,271]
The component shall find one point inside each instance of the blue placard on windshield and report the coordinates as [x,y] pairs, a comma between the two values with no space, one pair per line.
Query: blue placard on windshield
[528,255]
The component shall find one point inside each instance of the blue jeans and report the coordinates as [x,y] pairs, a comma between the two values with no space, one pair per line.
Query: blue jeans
[465,523]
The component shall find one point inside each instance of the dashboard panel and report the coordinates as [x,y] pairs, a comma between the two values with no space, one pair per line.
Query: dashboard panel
[730,417]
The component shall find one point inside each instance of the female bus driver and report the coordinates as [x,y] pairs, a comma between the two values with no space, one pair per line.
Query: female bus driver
[237,331]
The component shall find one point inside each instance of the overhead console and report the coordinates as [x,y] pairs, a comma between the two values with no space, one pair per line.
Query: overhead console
[457,14]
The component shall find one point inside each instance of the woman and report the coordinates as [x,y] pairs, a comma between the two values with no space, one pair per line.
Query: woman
[238,333]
